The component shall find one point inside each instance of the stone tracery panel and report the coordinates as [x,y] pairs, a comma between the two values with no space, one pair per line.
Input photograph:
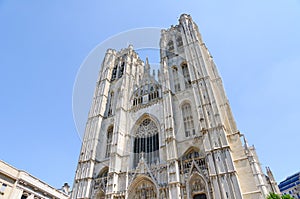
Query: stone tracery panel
[146,143]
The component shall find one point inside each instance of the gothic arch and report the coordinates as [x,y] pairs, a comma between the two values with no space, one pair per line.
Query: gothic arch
[109,137]
[142,118]
[189,150]
[100,195]
[191,161]
[101,183]
[170,45]
[185,101]
[179,41]
[145,140]
[186,74]
[103,172]
[142,187]
[198,187]
[187,114]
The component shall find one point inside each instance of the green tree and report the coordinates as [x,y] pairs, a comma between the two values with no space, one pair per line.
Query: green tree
[287,196]
[273,196]
[276,196]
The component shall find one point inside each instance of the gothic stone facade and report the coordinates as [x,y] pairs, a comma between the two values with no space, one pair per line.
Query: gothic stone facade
[170,136]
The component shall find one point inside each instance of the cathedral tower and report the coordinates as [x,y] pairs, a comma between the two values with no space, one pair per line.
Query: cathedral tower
[171,136]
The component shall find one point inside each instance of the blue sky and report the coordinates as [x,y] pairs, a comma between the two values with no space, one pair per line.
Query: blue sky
[255,45]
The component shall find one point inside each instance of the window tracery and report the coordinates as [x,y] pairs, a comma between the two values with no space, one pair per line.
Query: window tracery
[121,70]
[188,120]
[109,140]
[146,143]
[110,104]
[170,49]
[188,158]
[114,73]
[145,94]
[101,180]
[176,79]
[179,42]
[186,75]
[170,45]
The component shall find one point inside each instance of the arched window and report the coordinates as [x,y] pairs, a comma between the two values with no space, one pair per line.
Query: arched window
[109,140]
[170,49]
[101,181]
[121,70]
[186,75]
[188,120]
[110,104]
[176,78]
[179,42]
[192,155]
[170,46]
[114,73]
[145,94]
[153,93]
[146,143]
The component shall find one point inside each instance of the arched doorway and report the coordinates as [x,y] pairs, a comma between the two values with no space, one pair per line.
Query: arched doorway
[142,188]
[200,196]
[100,195]
[198,187]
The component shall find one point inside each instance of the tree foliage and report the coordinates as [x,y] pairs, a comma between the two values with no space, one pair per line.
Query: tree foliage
[273,196]
[287,197]
[276,196]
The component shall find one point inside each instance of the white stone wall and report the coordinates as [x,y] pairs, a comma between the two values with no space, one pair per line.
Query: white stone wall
[230,169]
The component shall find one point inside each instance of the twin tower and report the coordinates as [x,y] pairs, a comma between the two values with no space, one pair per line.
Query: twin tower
[167,136]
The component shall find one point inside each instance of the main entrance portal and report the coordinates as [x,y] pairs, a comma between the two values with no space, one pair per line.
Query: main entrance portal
[200,196]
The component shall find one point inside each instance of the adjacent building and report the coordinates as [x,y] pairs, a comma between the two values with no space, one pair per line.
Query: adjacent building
[17,184]
[170,135]
[291,186]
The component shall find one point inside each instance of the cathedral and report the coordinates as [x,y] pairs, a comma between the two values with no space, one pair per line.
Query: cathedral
[169,134]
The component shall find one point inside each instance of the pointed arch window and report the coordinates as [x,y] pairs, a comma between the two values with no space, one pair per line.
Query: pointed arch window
[179,42]
[186,75]
[101,180]
[170,49]
[110,104]
[190,156]
[146,93]
[170,45]
[109,140]
[121,70]
[114,73]
[176,79]
[146,143]
[188,120]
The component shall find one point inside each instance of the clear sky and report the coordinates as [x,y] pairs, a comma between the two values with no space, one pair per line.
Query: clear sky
[255,45]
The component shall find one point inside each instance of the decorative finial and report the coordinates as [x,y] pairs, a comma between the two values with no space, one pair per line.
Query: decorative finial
[130,46]
[147,67]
